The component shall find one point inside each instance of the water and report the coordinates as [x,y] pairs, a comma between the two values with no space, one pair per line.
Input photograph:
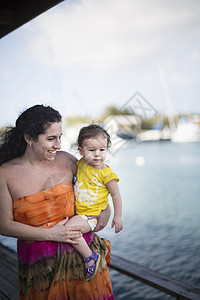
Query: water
[161,215]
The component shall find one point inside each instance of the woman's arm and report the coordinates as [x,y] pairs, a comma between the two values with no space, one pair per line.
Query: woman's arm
[9,227]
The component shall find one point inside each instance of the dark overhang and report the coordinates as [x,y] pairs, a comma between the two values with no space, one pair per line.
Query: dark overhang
[15,13]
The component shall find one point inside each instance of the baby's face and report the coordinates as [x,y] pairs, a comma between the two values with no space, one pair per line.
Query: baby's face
[94,151]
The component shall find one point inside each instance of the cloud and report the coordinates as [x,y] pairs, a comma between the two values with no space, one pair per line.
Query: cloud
[195,56]
[180,81]
[83,55]
[111,34]
[6,74]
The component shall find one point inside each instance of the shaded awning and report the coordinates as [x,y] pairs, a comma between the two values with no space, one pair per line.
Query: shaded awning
[15,13]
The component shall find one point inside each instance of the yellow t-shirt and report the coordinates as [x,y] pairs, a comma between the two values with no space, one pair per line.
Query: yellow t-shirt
[90,189]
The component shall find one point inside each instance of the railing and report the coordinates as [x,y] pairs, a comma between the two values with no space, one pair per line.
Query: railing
[173,287]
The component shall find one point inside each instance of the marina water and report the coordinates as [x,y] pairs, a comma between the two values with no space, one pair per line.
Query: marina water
[159,184]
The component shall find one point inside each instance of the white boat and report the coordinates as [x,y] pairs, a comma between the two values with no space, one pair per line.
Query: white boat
[186,132]
[149,136]
[157,134]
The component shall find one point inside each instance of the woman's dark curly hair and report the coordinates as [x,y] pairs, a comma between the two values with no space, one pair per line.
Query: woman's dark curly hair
[92,131]
[33,122]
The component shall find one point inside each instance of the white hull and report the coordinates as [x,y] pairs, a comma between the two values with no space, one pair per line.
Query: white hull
[154,135]
[186,133]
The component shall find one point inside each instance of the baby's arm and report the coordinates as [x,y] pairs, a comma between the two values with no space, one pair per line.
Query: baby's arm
[113,188]
[103,218]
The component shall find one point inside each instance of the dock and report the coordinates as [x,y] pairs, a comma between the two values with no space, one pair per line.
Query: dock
[177,289]
[8,274]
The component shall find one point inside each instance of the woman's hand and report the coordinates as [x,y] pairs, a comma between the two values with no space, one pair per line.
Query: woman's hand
[66,234]
[102,219]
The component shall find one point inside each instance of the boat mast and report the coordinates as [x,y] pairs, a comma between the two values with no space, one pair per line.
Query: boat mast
[170,113]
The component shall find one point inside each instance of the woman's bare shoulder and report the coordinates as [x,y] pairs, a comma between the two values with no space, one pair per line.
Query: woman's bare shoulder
[10,170]
[5,167]
[65,156]
[4,171]
[67,160]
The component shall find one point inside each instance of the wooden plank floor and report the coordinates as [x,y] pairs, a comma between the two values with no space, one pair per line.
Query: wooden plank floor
[8,274]
[171,286]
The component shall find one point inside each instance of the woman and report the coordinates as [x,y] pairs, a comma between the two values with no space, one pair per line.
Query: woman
[36,200]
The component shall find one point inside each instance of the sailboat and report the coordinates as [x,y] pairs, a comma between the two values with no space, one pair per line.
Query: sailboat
[158,132]
[186,131]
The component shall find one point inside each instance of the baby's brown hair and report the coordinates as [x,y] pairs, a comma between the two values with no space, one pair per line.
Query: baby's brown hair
[92,131]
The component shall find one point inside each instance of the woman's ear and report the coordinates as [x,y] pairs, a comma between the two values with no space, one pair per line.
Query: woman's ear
[28,139]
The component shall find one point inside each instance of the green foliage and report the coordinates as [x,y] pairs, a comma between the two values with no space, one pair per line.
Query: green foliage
[75,120]
[147,124]
[112,110]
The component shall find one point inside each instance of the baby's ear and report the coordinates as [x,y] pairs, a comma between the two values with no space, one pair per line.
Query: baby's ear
[80,150]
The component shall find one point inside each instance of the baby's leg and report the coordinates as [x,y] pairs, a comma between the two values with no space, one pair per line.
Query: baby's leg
[79,221]
[82,247]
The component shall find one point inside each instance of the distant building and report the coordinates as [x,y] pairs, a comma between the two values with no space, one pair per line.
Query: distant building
[122,123]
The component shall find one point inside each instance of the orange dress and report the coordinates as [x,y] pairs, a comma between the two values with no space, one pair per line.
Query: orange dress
[54,270]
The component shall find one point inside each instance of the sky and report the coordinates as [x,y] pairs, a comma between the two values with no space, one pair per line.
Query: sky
[82,56]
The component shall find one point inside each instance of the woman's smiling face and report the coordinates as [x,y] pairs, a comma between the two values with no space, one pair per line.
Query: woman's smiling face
[48,143]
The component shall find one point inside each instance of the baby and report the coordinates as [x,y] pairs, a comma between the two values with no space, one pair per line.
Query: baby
[95,180]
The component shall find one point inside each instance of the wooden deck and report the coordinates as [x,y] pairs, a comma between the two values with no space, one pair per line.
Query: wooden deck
[178,289]
[173,287]
[8,274]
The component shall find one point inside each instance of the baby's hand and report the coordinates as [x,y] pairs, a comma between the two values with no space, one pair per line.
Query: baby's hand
[117,222]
